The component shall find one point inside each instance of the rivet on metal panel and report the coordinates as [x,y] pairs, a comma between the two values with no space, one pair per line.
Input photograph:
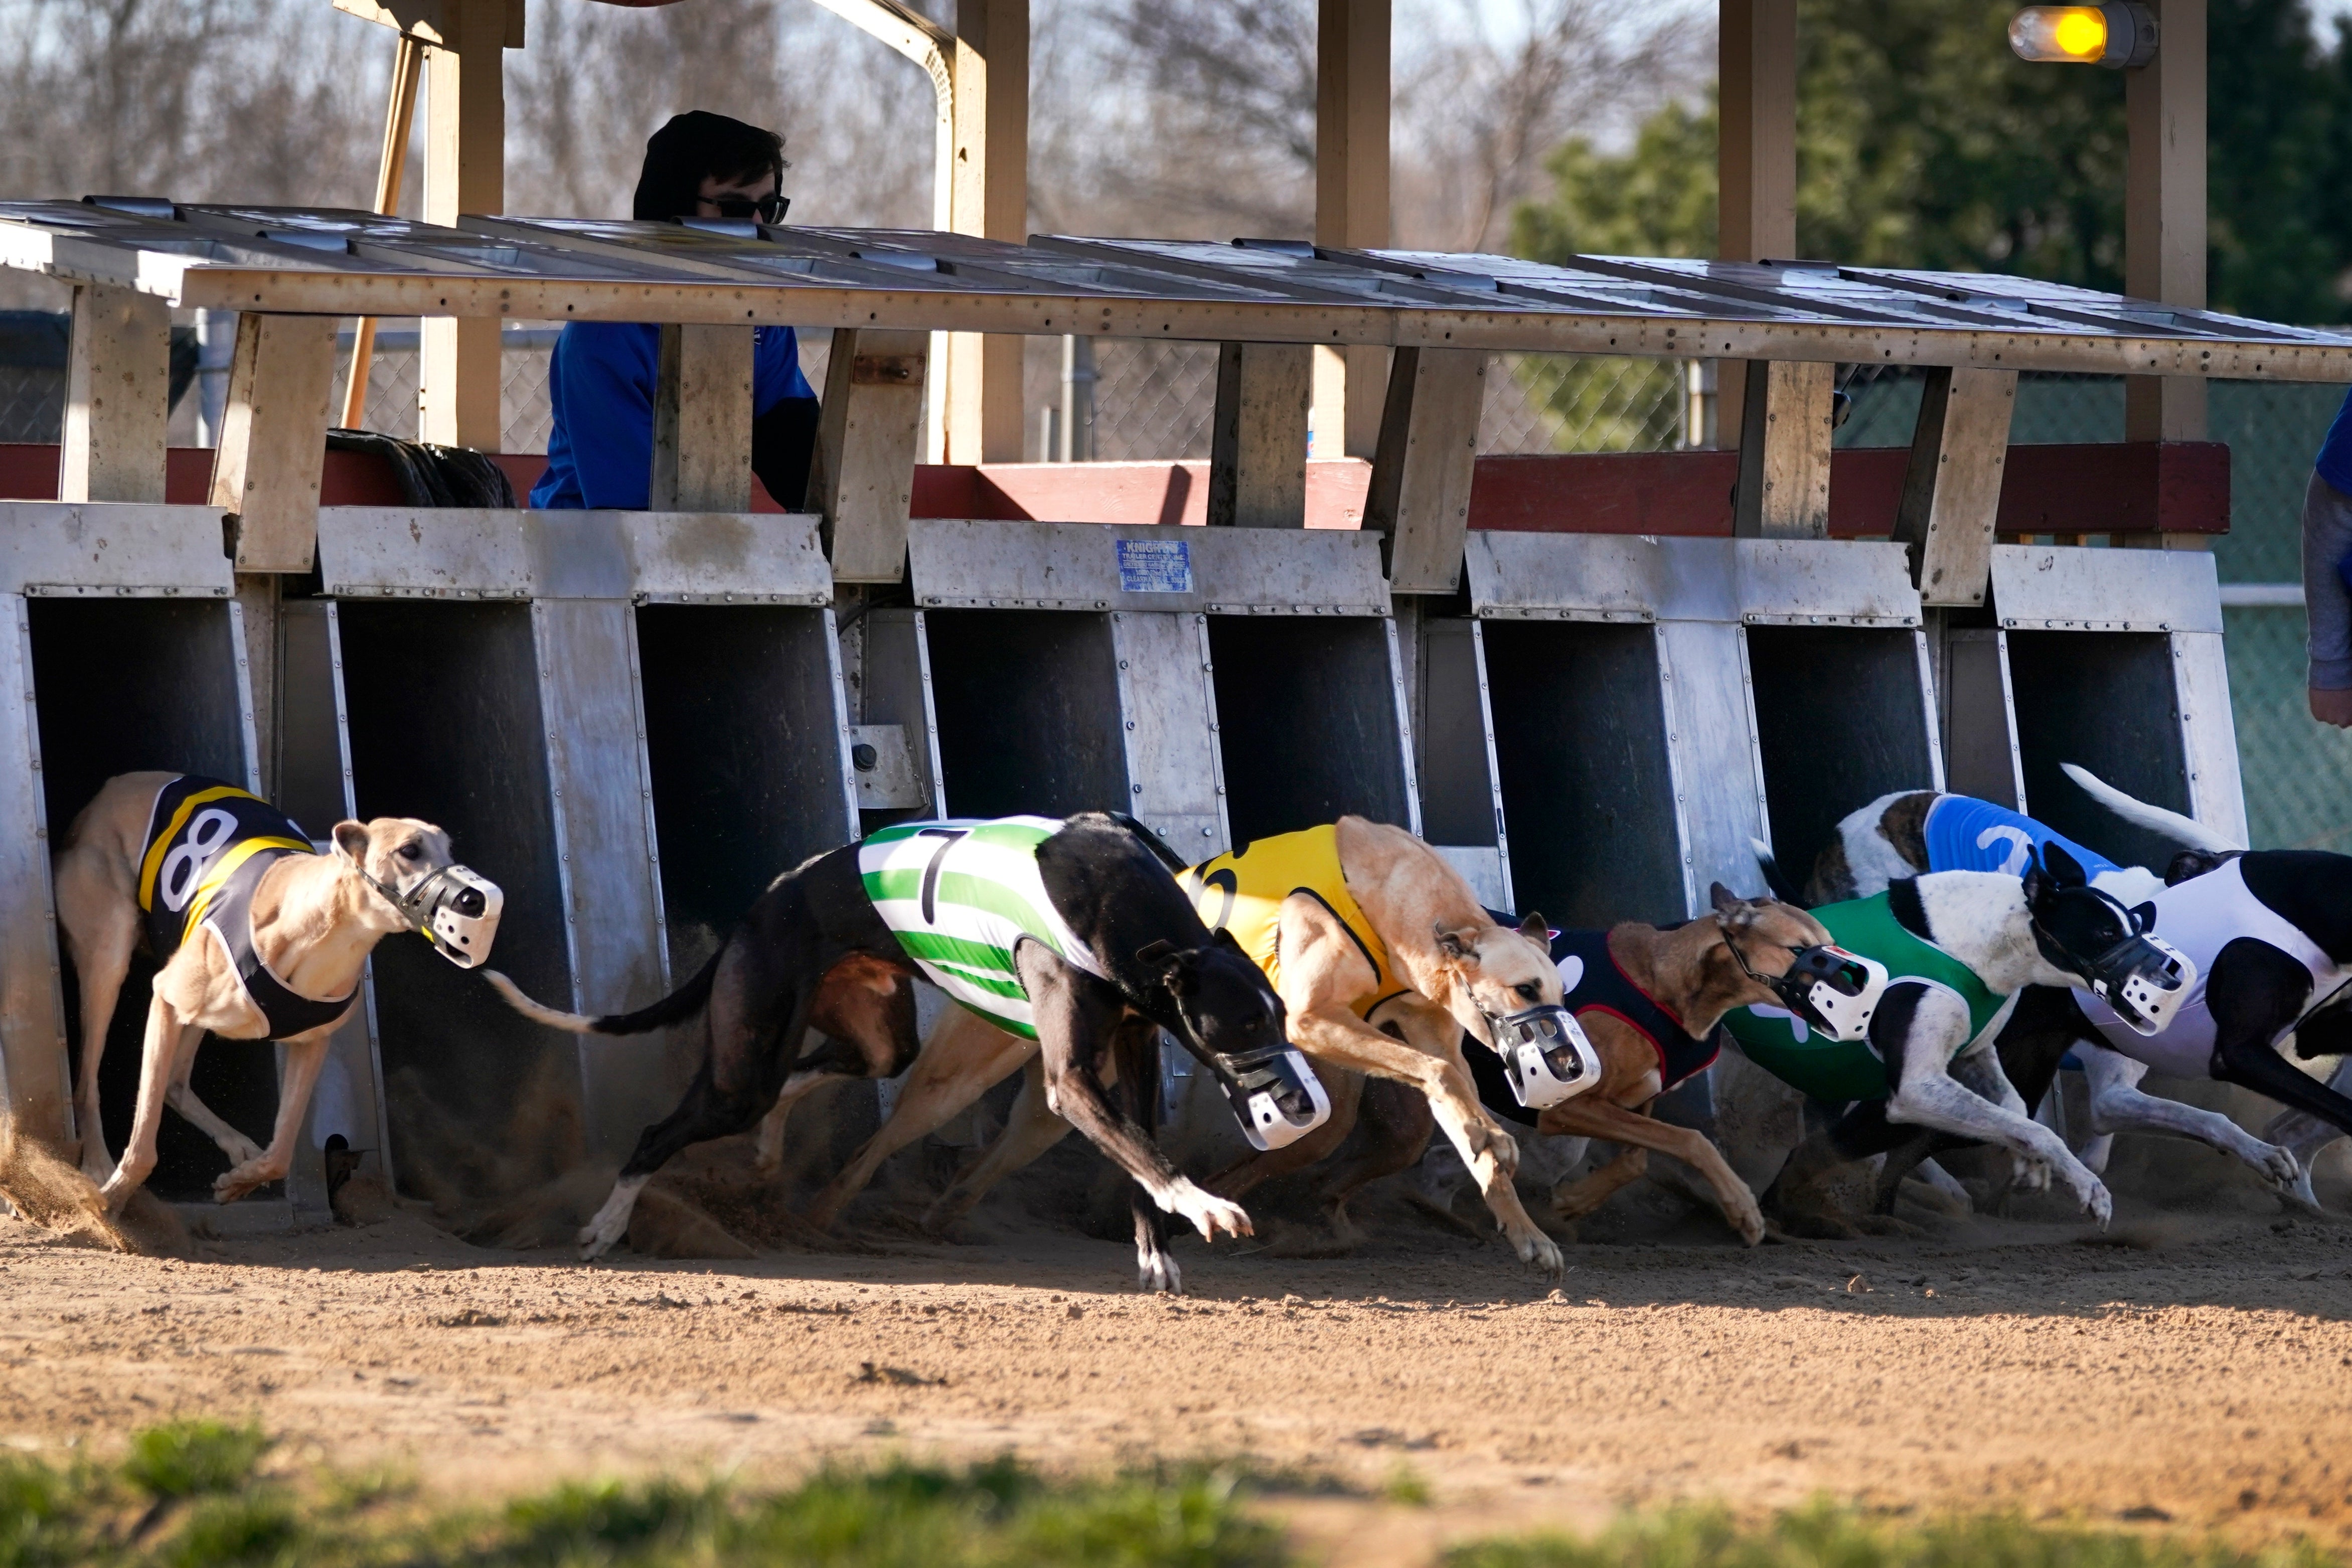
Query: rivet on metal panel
[1221,789]
[1135,789]
[1213,728]
[1115,615]
[1130,724]
[1122,663]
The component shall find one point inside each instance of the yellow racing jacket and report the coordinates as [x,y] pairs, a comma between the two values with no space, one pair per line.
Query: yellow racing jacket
[1242,893]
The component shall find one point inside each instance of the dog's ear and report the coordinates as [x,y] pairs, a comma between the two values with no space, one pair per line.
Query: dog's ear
[1174,966]
[1723,899]
[1463,943]
[1537,930]
[2064,868]
[351,839]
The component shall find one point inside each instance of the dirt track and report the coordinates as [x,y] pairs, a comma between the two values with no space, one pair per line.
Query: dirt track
[2199,1363]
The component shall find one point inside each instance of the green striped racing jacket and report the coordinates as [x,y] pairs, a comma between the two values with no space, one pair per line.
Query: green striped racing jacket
[1838,1071]
[960,894]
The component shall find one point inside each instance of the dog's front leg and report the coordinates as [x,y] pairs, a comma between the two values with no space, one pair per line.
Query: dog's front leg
[1918,1030]
[168,1034]
[2119,1105]
[1076,1014]
[181,1098]
[305,1055]
[1979,1069]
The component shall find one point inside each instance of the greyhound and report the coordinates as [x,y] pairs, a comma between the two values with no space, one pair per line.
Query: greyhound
[260,937]
[1102,952]
[1960,945]
[1384,958]
[2266,929]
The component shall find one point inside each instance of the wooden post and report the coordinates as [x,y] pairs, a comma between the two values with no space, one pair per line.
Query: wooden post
[465,172]
[1784,455]
[118,397]
[273,446]
[1351,205]
[1951,491]
[2164,217]
[391,162]
[1258,443]
[1755,158]
[702,421]
[1419,495]
[861,476]
[991,198]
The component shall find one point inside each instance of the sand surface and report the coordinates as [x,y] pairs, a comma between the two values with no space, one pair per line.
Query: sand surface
[2188,1365]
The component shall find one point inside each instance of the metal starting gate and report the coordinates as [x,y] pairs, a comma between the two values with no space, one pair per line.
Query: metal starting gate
[632,721]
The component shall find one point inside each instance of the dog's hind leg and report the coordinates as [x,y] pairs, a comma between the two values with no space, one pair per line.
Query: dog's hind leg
[240,1149]
[2119,1105]
[1135,1051]
[1076,1013]
[1593,1117]
[1031,1127]
[99,922]
[2305,1135]
[2255,991]
[964,1059]
[305,1055]
[1398,1124]
[168,1034]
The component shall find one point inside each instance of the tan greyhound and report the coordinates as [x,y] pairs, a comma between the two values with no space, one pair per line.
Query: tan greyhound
[1384,958]
[259,937]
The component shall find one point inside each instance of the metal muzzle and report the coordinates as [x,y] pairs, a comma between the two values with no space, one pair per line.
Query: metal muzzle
[455,909]
[1833,991]
[1276,1096]
[2144,979]
[1545,1055]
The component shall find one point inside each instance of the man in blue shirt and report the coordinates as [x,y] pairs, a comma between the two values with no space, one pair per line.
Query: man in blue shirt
[602,376]
[2326,559]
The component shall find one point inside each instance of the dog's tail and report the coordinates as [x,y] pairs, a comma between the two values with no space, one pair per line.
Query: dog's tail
[678,1005]
[2155,818]
[1151,841]
[1774,877]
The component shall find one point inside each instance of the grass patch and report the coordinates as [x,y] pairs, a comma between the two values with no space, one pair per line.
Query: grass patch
[1823,1535]
[192,1496]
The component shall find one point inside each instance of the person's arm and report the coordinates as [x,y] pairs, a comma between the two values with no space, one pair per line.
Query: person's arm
[608,407]
[2327,600]
[783,426]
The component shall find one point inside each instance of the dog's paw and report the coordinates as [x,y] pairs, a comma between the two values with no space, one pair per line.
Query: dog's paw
[2097,1202]
[1156,1274]
[1541,1253]
[1488,1141]
[611,1222]
[249,1177]
[1746,1218]
[1208,1215]
[2279,1168]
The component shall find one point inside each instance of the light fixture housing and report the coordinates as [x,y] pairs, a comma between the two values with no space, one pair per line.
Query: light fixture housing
[2120,36]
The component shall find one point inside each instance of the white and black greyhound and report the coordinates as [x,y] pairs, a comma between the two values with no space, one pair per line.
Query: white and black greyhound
[2269,931]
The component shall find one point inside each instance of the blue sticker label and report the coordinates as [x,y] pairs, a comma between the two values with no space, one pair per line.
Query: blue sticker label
[1155,565]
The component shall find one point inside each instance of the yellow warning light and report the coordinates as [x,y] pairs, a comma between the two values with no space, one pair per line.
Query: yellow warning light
[2114,35]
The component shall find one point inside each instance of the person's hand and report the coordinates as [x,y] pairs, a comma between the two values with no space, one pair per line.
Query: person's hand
[2332,707]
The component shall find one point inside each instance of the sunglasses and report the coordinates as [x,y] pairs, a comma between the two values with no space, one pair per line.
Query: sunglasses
[767,209]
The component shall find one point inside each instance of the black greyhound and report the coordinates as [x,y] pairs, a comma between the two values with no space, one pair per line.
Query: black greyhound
[813,952]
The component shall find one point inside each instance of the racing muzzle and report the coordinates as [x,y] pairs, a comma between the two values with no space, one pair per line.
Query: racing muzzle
[1833,991]
[2143,978]
[1545,1055]
[455,909]
[1276,1095]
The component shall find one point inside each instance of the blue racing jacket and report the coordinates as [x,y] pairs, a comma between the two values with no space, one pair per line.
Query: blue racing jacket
[1965,834]
[600,384]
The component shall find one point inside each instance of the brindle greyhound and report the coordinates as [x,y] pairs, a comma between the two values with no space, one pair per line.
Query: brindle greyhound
[1457,970]
[314,919]
[814,953]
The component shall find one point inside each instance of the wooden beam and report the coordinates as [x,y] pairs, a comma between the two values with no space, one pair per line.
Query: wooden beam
[118,397]
[1756,156]
[1420,494]
[1351,205]
[1784,455]
[990,197]
[862,477]
[465,172]
[1952,492]
[273,443]
[702,422]
[1258,443]
[392,164]
[2164,209]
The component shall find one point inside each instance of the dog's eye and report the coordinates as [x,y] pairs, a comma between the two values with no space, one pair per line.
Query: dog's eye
[1528,991]
[410,852]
